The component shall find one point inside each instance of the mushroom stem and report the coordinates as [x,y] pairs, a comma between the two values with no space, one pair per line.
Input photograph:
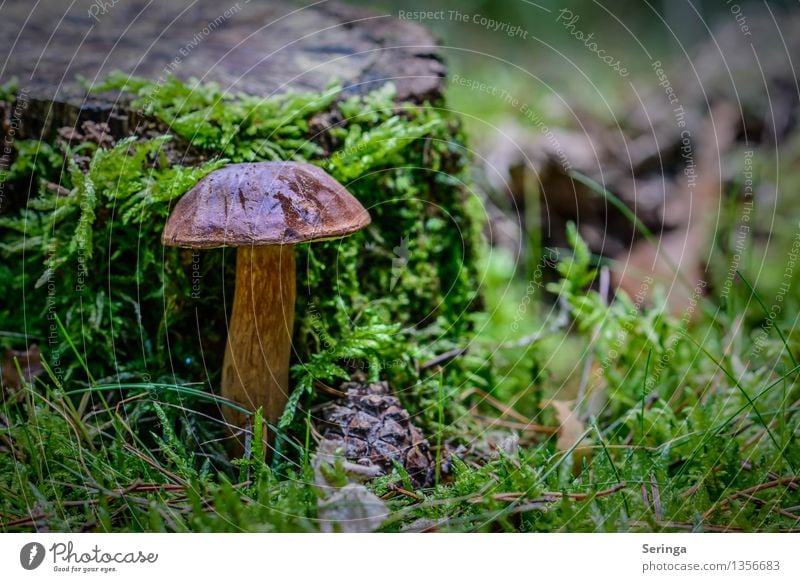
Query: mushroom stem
[255,371]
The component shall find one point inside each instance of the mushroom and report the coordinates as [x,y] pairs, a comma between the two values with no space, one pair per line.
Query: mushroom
[262,209]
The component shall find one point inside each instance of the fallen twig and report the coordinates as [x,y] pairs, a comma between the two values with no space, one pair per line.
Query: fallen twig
[552,496]
[443,358]
[505,409]
[526,427]
[687,526]
[749,491]
[657,509]
[761,502]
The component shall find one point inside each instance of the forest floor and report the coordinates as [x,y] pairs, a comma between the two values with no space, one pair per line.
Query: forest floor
[558,411]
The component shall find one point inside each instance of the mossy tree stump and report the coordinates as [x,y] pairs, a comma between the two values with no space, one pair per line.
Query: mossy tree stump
[134,312]
[254,47]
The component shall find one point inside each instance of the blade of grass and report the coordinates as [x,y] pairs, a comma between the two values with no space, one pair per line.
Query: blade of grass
[307,447]
[184,390]
[719,427]
[644,389]
[543,477]
[595,186]
[640,227]
[440,416]
[74,349]
[565,455]
[750,401]
[613,465]
[766,312]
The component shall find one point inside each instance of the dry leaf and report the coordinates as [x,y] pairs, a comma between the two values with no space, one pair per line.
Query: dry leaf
[351,509]
[492,442]
[570,430]
[30,362]
[328,451]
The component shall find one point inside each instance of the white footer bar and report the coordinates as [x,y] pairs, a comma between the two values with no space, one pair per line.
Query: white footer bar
[400,557]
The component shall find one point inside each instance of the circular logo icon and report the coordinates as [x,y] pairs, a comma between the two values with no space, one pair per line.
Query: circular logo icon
[31,555]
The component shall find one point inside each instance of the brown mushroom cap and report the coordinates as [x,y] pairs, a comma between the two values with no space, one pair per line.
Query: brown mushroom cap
[265,203]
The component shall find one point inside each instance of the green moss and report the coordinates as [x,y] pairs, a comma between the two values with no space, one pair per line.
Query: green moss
[89,253]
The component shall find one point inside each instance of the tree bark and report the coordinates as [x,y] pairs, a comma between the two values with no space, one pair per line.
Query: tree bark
[260,48]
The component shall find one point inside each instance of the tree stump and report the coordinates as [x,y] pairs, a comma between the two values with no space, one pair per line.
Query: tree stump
[260,48]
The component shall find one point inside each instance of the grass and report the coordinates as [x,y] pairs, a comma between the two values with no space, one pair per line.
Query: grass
[713,463]
[682,428]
